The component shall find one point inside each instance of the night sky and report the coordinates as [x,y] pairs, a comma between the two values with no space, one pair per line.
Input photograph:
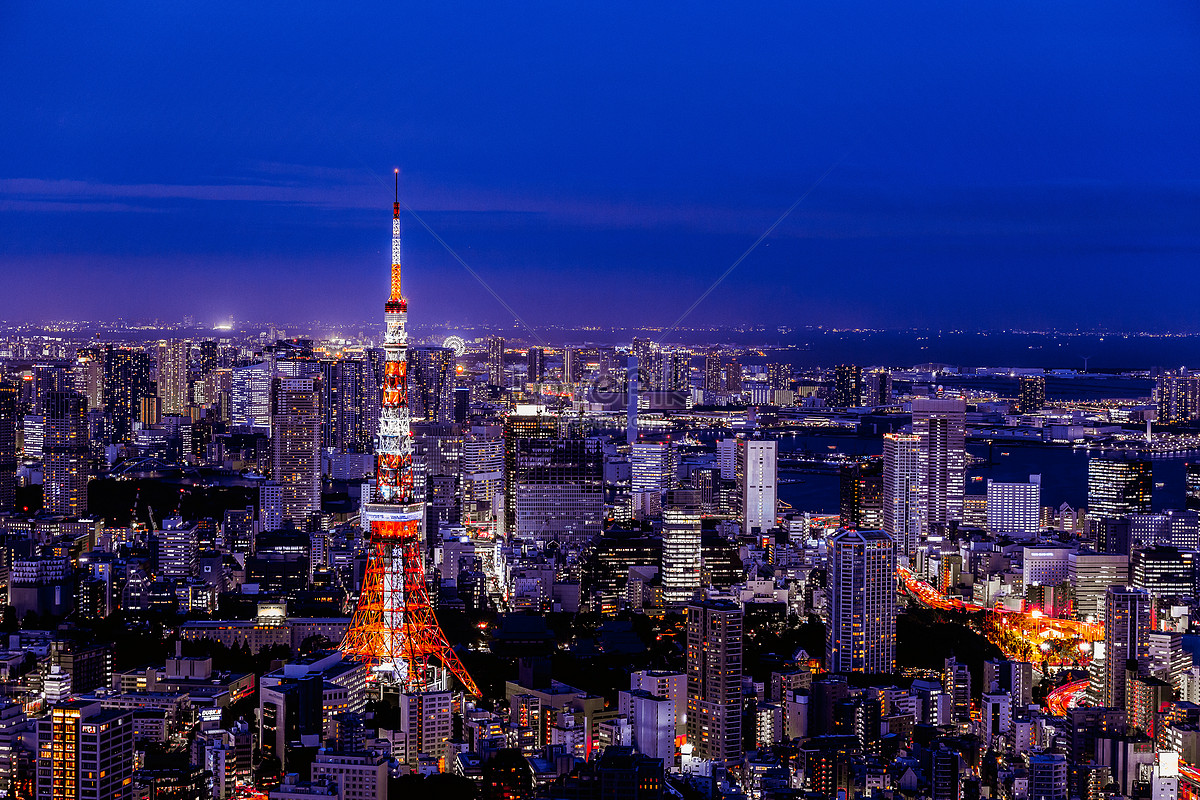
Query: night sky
[994,164]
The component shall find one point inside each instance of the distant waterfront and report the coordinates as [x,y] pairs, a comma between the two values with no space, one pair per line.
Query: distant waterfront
[1063,471]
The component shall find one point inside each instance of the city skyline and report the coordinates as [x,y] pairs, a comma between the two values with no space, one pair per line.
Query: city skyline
[941,155]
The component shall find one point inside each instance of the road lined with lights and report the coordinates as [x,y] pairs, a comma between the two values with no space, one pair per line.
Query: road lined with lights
[1062,699]
[1023,635]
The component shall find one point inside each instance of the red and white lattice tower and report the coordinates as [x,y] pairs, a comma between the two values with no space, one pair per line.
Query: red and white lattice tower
[394,629]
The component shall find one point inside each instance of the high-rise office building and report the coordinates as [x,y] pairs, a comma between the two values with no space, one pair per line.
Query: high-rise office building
[88,373]
[714,670]
[681,546]
[209,358]
[1129,613]
[437,471]
[85,752]
[877,388]
[733,375]
[1191,486]
[779,376]
[250,396]
[941,425]
[516,428]
[296,446]
[653,466]
[903,498]
[13,723]
[172,375]
[1031,393]
[1119,486]
[758,483]
[1178,395]
[712,372]
[431,384]
[126,382]
[1091,574]
[483,479]
[66,452]
[46,378]
[572,365]
[650,365]
[177,546]
[495,361]
[1014,507]
[847,386]
[559,489]
[861,493]
[349,404]
[1164,571]
[8,446]
[677,371]
[535,365]
[861,635]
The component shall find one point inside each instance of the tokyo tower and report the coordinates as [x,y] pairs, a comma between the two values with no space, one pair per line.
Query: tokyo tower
[394,630]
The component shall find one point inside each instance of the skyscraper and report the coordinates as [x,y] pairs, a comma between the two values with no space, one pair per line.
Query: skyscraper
[861,635]
[941,425]
[712,372]
[1117,487]
[296,446]
[903,498]
[483,479]
[89,375]
[559,489]
[861,494]
[653,466]
[1191,485]
[733,375]
[431,383]
[172,375]
[572,365]
[85,753]
[847,386]
[677,371]
[495,360]
[250,396]
[758,483]
[8,446]
[1178,395]
[66,454]
[535,365]
[209,357]
[1031,393]
[1091,573]
[516,428]
[681,546]
[349,403]
[1127,620]
[126,382]
[714,670]
[877,388]
[779,376]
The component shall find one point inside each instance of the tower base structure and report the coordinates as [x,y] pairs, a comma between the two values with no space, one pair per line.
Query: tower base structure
[394,630]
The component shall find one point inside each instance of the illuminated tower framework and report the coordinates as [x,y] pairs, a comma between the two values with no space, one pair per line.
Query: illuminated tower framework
[394,629]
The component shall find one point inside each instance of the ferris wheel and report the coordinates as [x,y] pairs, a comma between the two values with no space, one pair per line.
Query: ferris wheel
[456,344]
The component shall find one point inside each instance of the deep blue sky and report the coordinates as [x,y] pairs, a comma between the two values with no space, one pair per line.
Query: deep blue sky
[1003,163]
